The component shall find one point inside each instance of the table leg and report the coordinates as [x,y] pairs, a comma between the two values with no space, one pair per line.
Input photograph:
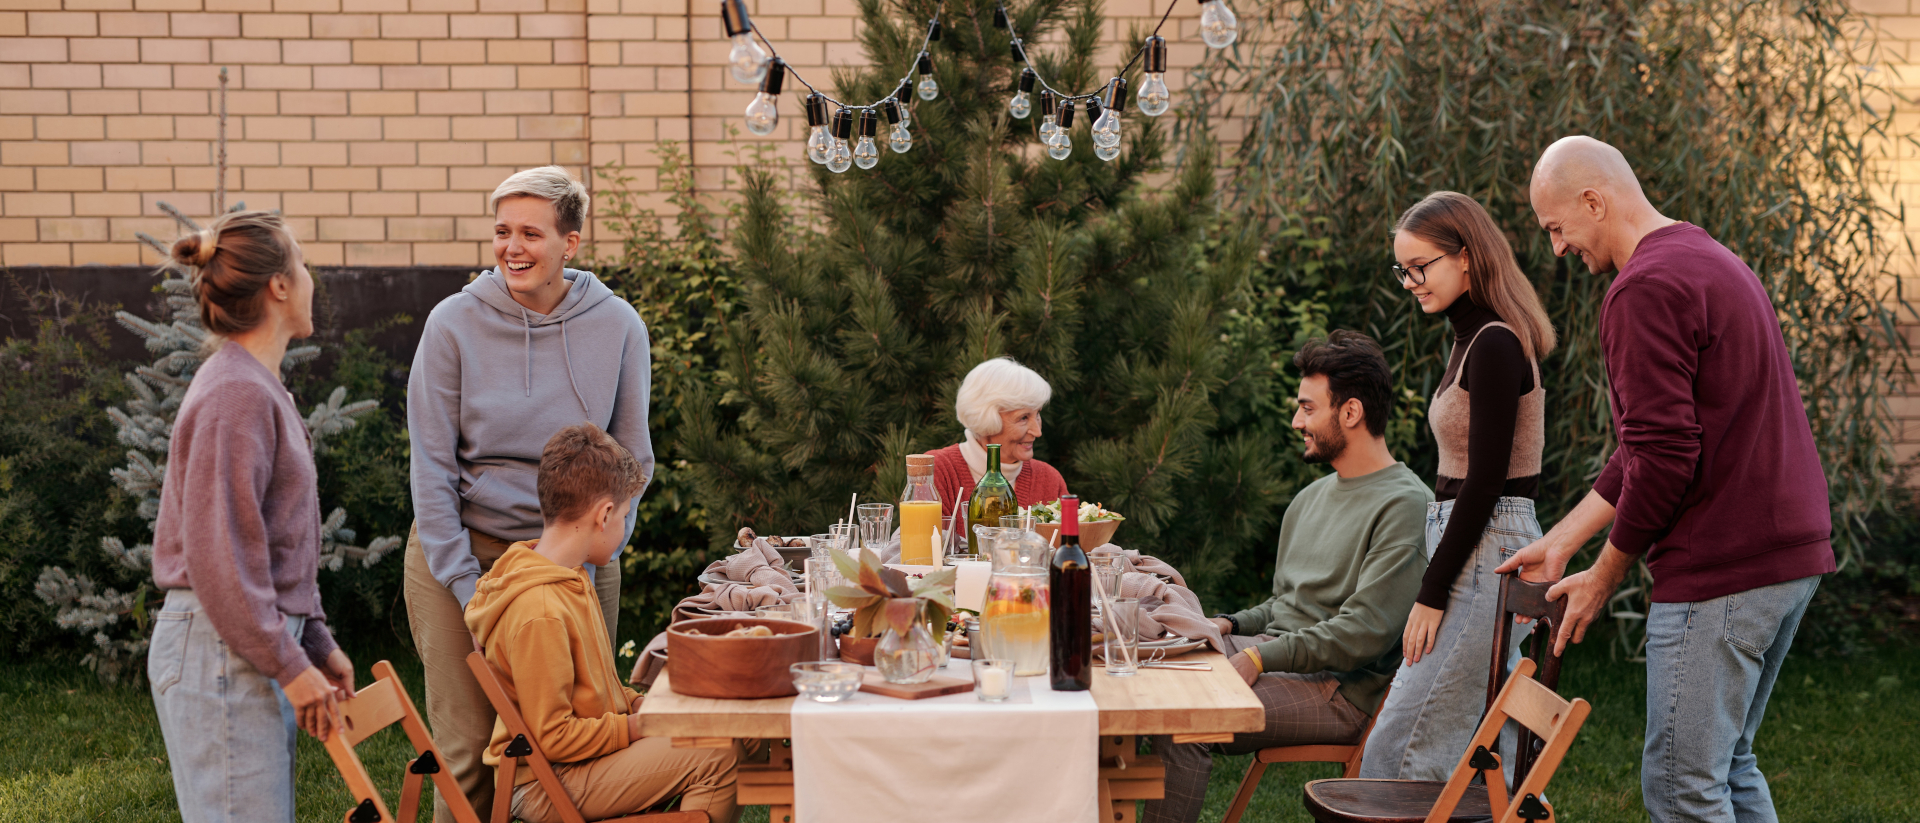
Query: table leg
[1127,777]
[770,785]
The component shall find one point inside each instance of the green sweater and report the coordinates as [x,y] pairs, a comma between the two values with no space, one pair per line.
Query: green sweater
[1349,566]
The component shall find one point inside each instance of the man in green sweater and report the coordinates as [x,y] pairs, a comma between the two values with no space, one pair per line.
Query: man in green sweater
[1320,652]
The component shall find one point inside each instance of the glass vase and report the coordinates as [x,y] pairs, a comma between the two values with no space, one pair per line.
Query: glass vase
[906,660]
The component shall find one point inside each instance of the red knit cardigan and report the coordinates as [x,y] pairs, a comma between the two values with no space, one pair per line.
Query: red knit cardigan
[1037,483]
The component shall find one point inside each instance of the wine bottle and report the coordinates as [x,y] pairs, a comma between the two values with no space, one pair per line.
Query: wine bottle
[992,497]
[1070,605]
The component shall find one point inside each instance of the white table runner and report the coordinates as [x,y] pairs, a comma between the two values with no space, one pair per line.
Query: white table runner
[951,759]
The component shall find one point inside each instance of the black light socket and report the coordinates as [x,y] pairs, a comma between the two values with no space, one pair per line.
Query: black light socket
[1066,116]
[925,63]
[901,94]
[892,110]
[999,17]
[776,76]
[933,32]
[869,123]
[1019,54]
[1093,108]
[733,17]
[816,110]
[1117,93]
[843,123]
[1156,54]
[1048,105]
[1027,78]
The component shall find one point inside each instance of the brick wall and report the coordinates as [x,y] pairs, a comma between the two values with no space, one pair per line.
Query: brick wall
[378,126]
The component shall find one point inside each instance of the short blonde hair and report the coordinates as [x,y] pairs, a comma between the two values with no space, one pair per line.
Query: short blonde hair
[552,184]
[998,385]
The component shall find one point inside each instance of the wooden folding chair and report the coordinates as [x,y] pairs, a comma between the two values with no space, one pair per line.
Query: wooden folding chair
[1347,756]
[522,750]
[376,707]
[1526,599]
[1533,706]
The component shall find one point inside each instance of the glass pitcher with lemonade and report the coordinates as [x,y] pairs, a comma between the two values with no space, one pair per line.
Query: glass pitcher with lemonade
[919,513]
[1014,624]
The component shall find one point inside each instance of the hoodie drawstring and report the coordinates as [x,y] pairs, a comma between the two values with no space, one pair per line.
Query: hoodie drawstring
[568,354]
[526,323]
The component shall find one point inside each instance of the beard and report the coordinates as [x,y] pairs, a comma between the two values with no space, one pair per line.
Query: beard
[1327,445]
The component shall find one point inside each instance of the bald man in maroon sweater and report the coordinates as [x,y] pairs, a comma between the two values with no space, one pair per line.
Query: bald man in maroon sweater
[1716,482]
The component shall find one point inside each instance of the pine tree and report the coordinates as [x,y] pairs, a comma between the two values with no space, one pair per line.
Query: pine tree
[873,292]
[113,613]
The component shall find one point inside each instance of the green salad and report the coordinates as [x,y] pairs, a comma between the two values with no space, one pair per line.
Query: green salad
[1089,513]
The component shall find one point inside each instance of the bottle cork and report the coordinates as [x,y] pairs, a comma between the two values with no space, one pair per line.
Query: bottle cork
[919,465]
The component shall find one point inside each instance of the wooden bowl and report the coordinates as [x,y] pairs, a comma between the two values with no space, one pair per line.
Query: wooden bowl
[1092,535]
[858,649]
[737,668]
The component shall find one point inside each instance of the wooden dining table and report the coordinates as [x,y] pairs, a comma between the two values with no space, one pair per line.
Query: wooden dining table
[1191,706]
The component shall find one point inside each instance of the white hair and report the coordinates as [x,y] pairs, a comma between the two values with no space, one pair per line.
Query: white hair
[552,184]
[996,386]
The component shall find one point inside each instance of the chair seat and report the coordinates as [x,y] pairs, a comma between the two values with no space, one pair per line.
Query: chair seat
[1389,801]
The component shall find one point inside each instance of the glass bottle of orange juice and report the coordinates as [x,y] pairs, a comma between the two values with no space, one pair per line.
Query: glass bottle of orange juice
[919,512]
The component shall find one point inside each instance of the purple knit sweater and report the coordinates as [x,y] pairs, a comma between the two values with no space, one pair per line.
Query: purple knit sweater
[240,515]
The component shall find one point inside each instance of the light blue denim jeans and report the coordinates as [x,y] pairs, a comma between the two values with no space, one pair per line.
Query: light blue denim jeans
[1436,704]
[229,729]
[1710,667]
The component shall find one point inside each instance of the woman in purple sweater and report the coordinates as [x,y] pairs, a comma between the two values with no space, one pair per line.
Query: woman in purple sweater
[241,650]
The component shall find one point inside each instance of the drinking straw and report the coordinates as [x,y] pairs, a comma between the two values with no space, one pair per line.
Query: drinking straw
[850,506]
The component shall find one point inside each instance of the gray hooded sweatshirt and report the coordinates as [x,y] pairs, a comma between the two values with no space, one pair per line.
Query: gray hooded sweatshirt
[491,383]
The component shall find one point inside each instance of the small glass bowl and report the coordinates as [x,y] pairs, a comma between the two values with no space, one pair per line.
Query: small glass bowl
[826,681]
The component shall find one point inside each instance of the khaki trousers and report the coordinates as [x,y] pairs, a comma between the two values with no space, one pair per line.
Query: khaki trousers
[457,708]
[637,778]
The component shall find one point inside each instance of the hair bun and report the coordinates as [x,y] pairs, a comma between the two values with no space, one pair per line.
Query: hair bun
[196,249]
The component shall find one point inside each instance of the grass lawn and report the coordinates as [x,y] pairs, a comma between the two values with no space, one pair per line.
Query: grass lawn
[1839,745]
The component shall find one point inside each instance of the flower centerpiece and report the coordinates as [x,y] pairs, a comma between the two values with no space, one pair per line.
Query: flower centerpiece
[908,615]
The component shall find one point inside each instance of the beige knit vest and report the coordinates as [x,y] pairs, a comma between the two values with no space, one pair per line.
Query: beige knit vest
[1449,415]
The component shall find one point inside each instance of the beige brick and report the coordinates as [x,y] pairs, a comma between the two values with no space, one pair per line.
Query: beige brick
[417,26]
[324,154]
[569,127]
[15,76]
[93,102]
[66,76]
[109,254]
[553,26]
[253,102]
[122,228]
[281,178]
[473,228]
[278,77]
[519,102]
[176,153]
[323,254]
[567,6]
[69,178]
[33,50]
[290,26]
[246,51]
[413,178]
[454,153]
[498,26]
[20,126]
[518,153]
[379,254]
[136,76]
[278,128]
[351,228]
[446,254]
[238,5]
[453,6]
[607,27]
[382,102]
[354,26]
[346,77]
[519,51]
[654,54]
[413,77]
[105,49]
[620,79]
[570,101]
[346,128]
[36,254]
[513,5]
[166,101]
[382,154]
[205,25]
[169,50]
[483,77]
[139,178]
[385,52]
[13,23]
[570,52]
[820,28]
[69,229]
[33,153]
[37,204]
[624,129]
[140,127]
[244,153]
[18,229]
[191,202]
[452,52]
[315,6]
[553,77]
[168,5]
[189,76]
[61,24]
[133,24]
[347,179]
[450,102]
[63,128]
[313,102]
[416,128]
[317,51]
[317,204]
[603,53]
[455,203]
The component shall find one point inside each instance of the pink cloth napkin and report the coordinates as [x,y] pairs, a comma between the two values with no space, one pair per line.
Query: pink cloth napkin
[1167,606]
[741,582]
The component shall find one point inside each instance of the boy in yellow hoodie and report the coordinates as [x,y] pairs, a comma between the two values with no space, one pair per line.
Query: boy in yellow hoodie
[538,619]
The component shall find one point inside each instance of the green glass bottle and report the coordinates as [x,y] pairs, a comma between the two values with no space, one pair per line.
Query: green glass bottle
[992,497]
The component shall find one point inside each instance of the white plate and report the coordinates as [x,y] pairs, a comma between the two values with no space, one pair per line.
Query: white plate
[1159,649]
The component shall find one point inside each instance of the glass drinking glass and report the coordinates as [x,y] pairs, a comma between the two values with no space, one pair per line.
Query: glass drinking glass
[1123,637]
[1108,568]
[876,526]
[993,680]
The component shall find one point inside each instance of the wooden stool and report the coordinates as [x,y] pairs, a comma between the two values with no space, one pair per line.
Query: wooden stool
[1347,756]
[376,707]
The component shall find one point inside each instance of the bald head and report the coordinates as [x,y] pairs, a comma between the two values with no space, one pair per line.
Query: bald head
[1588,199]
[1581,162]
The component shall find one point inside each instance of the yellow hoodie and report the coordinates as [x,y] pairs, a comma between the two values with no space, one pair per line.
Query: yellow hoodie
[542,630]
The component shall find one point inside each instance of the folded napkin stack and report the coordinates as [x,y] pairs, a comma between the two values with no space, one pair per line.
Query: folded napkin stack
[740,582]
[1167,605]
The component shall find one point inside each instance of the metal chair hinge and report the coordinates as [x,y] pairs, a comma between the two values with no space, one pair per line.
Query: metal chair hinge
[366,812]
[519,747]
[1483,760]
[426,763]
[1532,809]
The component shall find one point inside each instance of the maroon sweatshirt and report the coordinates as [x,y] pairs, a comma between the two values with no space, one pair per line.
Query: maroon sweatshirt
[1716,479]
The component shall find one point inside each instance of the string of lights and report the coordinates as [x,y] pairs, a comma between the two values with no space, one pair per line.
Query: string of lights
[828,133]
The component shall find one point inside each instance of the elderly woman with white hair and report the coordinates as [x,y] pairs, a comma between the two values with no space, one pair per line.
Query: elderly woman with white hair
[496,375]
[999,403]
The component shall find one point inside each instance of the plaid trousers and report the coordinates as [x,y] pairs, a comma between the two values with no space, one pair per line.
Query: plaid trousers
[1302,709]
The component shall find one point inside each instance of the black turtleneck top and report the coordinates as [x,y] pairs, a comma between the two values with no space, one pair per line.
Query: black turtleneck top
[1496,377]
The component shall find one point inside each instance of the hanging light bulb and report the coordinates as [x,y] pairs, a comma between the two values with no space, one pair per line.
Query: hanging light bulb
[899,139]
[1062,145]
[818,140]
[1154,97]
[902,95]
[747,60]
[839,157]
[866,155]
[1049,112]
[1022,105]
[927,88]
[1106,119]
[1218,27]
[763,114]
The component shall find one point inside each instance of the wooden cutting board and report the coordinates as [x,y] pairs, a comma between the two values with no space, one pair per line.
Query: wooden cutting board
[939,685]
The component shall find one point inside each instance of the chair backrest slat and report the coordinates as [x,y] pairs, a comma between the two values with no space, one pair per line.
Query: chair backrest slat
[371,709]
[1532,705]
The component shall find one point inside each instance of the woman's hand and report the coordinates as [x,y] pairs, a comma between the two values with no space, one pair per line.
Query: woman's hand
[1423,625]
[316,706]
[340,674]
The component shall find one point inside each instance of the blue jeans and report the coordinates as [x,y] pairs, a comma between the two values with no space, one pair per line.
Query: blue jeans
[1710,667]
[229,729]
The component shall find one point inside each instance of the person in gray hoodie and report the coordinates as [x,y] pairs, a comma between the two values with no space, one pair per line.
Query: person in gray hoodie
[528,348]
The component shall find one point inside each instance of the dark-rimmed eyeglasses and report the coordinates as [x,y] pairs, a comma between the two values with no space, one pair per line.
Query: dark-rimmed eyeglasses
[1418,274]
